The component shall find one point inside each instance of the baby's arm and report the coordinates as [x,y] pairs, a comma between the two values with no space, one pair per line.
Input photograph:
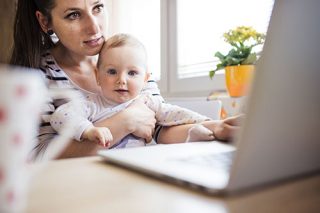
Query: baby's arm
[79,113]
[171,115]
[101,135]
[223,130]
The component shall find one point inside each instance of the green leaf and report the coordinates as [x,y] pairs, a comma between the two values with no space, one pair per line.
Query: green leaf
[220,66]
[219,55]
[235,45]
[211,73]
[233,61]
[251,59]
[233,53]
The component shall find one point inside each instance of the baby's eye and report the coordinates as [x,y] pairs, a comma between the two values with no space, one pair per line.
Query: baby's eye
[132,73]
[111,71]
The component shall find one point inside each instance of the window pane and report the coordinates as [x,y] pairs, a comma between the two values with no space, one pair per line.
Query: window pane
[140,18]
[201,24]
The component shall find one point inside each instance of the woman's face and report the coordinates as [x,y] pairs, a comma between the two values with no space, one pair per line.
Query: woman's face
[80,25]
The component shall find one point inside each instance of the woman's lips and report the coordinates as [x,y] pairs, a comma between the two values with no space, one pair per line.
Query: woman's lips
[94,42]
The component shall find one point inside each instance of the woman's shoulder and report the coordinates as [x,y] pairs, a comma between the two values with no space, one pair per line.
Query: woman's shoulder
[53,74]
[49,66]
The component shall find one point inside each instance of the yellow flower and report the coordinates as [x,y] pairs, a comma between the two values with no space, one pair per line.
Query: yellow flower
[242,35]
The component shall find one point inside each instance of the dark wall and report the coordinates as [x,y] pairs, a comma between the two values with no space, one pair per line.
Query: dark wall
[7,12]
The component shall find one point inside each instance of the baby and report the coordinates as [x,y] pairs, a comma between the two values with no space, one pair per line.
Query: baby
[122,74]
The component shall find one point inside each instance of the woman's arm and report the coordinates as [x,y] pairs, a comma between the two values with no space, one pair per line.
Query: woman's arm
[222,130]
[136,119]
[80,149]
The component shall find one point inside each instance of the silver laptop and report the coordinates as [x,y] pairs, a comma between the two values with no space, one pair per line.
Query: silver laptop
[280,138]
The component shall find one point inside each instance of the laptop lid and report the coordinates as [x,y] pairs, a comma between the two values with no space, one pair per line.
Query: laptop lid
[280,137]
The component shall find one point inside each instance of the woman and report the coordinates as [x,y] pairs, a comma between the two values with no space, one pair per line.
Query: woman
[80,27]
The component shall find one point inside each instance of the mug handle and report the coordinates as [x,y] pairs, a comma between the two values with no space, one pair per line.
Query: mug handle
[58,143]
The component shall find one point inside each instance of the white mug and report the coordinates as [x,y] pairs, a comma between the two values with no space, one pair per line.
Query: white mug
[22,95]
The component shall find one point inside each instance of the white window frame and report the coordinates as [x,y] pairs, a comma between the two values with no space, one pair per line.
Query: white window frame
[170,84]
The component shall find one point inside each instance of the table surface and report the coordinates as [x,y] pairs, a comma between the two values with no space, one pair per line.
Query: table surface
[91,185]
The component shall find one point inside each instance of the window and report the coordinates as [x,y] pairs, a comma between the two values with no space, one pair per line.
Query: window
[141,18]
[194,33]
[181,36]
[198,42]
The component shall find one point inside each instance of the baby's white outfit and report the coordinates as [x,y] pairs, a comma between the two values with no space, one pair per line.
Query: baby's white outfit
[88,112]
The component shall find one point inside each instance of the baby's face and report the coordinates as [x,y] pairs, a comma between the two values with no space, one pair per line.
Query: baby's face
[122,73]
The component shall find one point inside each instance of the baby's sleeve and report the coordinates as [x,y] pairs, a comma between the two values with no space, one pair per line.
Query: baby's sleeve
[151,88]
[78,115]
[169,115]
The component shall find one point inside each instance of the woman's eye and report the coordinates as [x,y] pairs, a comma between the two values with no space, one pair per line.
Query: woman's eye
[73,15]
[98,8]
[111,71]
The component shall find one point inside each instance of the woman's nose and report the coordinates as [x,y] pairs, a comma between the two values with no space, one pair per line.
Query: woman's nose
[92,24]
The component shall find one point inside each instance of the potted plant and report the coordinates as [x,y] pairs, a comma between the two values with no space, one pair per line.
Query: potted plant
[239,61]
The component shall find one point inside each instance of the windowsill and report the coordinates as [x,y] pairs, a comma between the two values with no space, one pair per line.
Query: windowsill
[171,86]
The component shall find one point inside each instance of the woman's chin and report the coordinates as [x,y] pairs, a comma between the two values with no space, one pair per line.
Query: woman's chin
[93,52]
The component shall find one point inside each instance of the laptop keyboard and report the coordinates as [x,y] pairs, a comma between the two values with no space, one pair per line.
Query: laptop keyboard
[217,160]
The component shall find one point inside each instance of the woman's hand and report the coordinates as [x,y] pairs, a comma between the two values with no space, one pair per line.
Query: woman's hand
[141,120]
[136,119]
[225,129]
[222,130]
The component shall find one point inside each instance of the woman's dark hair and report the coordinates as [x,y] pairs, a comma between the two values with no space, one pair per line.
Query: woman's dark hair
[29,40]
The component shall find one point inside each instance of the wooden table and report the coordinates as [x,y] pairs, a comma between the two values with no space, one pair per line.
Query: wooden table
[90,185]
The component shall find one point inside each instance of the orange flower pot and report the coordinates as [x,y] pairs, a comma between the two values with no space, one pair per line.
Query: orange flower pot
[238,79]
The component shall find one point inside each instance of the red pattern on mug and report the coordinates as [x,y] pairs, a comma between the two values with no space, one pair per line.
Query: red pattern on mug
[28,161]
[10,196]
[17,139]
[3,115]
[21,91]
[2,175]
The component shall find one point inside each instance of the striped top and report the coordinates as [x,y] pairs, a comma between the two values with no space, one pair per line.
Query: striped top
[55,77]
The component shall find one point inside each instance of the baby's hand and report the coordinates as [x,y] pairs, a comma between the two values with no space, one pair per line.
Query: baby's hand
[101,135]
[225,129]
[199,133]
